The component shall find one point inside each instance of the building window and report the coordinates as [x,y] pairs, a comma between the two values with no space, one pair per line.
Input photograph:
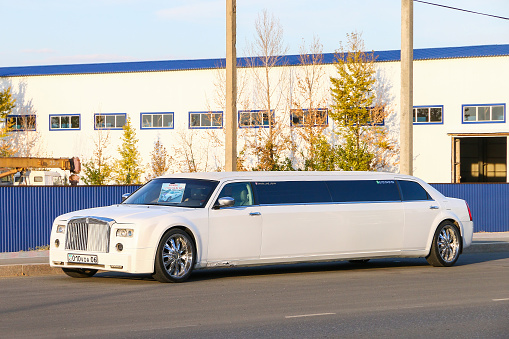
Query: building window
[206,119]
[21,122]
[157,120]
[483,113]
[308,117]
[254,118]
[109,120]
[428,114]
[64,122]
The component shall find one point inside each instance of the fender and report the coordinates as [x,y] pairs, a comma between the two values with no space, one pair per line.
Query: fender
[441,217]
[198,229]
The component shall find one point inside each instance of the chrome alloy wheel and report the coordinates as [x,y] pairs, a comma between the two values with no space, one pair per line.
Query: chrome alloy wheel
[448,244]
[177,256]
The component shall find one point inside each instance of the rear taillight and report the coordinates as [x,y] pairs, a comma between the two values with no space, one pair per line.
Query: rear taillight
[469,213]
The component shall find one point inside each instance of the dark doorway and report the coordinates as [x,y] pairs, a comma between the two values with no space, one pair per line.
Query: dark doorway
[482,159]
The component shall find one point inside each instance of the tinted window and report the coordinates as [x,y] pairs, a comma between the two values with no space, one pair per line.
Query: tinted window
[363,190]
[240,191]
[412,191]
[292,192]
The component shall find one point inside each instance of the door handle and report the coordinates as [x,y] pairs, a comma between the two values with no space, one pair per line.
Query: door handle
[433,207]
[255,213]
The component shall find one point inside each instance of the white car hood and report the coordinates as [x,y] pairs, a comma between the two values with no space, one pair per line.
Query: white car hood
[128,213]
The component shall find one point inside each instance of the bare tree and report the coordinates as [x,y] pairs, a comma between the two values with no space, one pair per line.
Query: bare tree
[269,86]
[196,150]
[98,169]
[309,112]
[160,160]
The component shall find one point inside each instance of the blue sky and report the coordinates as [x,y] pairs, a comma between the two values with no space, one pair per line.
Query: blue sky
[42,32]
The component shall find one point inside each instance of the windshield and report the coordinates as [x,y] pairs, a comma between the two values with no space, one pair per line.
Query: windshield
[173,192]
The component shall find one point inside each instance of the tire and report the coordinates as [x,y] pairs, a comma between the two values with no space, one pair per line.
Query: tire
[79,272]
[175,257]
[358,261]
[446,246]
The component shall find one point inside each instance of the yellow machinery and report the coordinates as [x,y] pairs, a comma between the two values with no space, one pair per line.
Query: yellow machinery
[22,164]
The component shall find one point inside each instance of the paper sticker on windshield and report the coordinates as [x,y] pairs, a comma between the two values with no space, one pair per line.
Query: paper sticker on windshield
[172,193]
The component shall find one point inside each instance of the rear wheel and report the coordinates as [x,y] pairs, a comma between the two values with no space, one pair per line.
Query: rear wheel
[175,257]
[446,246]
[79,272]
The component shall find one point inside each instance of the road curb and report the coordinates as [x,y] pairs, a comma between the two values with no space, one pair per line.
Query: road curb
[487,247]
[28,270]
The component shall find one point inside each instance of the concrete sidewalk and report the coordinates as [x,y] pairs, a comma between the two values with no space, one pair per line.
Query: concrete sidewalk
[33,263]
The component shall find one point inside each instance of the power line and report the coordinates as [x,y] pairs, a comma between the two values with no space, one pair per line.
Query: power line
[463,10]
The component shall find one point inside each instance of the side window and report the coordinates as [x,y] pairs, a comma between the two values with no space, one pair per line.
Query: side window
[292,192]
[240,191]
[364,190]
[411,190]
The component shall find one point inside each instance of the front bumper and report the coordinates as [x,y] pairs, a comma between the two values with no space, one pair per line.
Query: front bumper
[132,261]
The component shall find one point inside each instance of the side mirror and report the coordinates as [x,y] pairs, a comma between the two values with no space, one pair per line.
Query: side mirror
[125,196]
[225,202]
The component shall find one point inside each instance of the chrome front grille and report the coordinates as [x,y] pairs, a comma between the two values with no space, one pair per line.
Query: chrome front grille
[88,234]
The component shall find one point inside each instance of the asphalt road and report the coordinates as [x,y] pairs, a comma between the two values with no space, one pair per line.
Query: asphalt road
[403,298]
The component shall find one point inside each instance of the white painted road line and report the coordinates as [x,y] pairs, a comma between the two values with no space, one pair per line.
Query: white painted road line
[504,299]
[307,315]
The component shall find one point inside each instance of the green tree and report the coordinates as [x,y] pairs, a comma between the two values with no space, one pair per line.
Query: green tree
[127,169]
[7,104]
[352,102]
[98,170]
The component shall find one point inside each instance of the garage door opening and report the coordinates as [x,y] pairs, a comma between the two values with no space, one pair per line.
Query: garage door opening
[480,159]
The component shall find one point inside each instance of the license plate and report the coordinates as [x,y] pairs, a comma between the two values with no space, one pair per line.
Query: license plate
[82,259]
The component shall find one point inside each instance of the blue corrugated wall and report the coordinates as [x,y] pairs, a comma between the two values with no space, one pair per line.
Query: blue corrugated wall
[27,212]
[489,203]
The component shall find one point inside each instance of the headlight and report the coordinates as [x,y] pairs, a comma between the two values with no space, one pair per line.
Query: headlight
[61,229]
[125,232]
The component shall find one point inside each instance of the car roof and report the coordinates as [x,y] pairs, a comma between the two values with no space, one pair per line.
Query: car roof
[286,175]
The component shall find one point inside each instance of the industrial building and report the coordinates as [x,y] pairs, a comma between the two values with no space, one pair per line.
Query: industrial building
[460,124]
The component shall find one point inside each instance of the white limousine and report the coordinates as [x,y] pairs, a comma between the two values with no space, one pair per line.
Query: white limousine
[178,223]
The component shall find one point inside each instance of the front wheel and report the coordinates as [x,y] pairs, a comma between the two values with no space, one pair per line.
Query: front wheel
[175,257]
[445,249]
[79,272]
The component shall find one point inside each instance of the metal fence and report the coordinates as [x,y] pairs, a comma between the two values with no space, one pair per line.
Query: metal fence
[489,203]
[27,212]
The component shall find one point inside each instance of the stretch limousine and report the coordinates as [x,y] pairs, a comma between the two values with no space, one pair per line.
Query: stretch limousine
[178,223]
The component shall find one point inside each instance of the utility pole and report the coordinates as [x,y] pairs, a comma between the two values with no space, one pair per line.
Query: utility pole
[231,87]
[406,116]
